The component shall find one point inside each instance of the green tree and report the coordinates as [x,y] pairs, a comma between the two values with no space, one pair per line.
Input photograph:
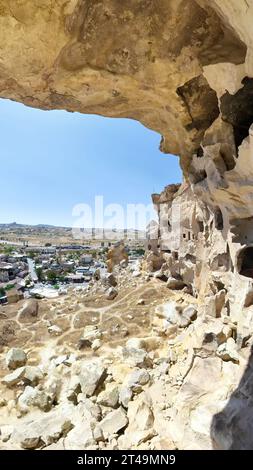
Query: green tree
[2,292]
[51,276]
[9,287]
[39,272]
[8,250]
[140,251]
[47,245]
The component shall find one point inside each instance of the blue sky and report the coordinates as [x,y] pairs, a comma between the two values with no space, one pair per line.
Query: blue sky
[53,160]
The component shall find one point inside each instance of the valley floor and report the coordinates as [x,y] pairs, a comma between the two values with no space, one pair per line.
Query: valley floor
[141,371]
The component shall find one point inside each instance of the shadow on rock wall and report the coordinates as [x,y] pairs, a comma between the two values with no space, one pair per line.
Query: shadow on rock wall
[232,428]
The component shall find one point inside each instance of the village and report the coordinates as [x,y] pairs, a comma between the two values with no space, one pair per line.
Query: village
[49,271]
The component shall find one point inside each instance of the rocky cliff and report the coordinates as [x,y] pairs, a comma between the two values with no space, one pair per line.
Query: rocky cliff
[163,63]
[184,68]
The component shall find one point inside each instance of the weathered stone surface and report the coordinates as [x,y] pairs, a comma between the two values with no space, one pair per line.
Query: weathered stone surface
[29,311]
[111,293]
[92,375]
[42,432]
[141,420]
[113,422]
[109,397]
[29,374]
[90,334]
[115,256]
[175,284]
[6,432]
[227,351]
[152,75]
[140,414]
[54,330]
[137,377]
[80,437]
[136,343]
[215,333]
[174,314]
[32,397]
[15,358]
[136,357]
[109,280]
[125,395]
[204,392]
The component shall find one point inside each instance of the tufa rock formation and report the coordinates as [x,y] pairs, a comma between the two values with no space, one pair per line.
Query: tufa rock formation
[183,68]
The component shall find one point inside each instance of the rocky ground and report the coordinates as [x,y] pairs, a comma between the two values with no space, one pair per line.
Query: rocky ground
[129,364]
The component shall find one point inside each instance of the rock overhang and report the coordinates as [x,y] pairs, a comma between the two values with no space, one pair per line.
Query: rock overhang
[138,59]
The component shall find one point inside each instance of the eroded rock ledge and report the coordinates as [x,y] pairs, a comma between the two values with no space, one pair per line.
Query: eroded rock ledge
[138,58]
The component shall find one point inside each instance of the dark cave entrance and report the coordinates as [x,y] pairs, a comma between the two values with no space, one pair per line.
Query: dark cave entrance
[238,110]
[245,262]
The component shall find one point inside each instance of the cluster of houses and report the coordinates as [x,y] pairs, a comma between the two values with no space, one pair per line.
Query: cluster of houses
[14,270]
[65,266]
[29,266]
[13,267]
[33,268]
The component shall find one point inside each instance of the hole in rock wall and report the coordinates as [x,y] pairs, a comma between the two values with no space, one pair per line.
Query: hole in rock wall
[200,226]
[245,262]
[238,110]
[198,177]
[218,219]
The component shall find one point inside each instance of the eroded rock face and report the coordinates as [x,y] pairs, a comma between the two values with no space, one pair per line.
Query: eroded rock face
[183,68]
[136,59]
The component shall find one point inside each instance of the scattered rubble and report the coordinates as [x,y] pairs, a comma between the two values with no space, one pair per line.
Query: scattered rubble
[160,386]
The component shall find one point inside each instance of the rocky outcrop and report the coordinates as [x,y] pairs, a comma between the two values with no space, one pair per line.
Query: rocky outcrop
[177,381]
[184,69]
[116,255]
[139,59]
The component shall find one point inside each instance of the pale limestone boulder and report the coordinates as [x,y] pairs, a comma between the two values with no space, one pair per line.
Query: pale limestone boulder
[15,358]
[28,374]
[92,375]
[6,432]
[109,397]
[174,314]
[203,393]
[29,311]
[137,343]
[125,396]
[227,351]
[113,422]
[141,421]
[111,293]
[54,330]
[137,378]
[32,397]
[89,408]
[44,431]
[90,334]
[136,357]
[80,436]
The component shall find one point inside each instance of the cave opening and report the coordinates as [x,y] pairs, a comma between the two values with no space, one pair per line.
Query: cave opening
[218,219]
[238,110]
[245,262]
